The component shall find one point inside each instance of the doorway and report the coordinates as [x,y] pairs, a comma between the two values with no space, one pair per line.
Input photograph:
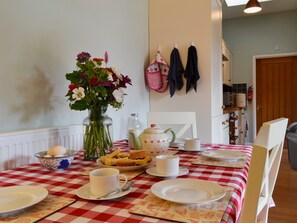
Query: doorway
[276,89]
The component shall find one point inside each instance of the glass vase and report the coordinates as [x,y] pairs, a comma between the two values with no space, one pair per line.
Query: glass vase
[97,133]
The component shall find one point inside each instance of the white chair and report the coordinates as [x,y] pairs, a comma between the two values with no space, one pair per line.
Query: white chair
[182,121]
[264,166]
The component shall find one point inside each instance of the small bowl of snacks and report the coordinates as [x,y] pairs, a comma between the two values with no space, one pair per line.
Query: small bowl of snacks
[57,157]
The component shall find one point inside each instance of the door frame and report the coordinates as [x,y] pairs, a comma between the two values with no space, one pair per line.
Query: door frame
[254,103]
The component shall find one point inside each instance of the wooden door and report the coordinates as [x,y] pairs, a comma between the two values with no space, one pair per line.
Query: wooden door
[276,87]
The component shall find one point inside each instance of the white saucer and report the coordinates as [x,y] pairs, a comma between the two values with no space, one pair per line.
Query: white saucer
[202,148]
[152,171]
[85,193]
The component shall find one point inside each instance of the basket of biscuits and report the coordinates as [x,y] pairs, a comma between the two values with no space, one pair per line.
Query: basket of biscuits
[126,161]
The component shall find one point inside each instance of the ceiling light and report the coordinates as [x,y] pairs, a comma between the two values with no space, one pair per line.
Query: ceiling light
[252,6]
[230,3]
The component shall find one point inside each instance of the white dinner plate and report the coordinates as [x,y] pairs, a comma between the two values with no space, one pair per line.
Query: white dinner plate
[85,193]
[16,198]
[188,191]
[153,171]
[202,148]
[224,154]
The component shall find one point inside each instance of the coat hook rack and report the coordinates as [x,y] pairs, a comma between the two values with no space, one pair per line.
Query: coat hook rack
[192,43]
[175,46]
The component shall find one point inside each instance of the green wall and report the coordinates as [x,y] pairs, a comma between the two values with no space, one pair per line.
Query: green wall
[38,46]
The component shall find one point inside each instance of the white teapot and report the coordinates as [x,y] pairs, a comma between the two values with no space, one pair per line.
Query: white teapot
[155,140]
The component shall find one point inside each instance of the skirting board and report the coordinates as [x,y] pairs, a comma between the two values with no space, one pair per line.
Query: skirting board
[18,148]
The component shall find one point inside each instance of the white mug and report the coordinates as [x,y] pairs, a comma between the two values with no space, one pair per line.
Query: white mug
[105,180]
[193,144]
[167,164]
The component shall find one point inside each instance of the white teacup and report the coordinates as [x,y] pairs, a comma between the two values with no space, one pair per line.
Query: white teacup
[167,164]
[193,144]
[105,180]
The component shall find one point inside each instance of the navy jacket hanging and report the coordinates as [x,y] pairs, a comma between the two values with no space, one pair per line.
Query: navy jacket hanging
[176,70]
[192,73]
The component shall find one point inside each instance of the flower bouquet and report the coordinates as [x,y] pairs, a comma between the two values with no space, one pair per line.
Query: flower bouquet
[93,88]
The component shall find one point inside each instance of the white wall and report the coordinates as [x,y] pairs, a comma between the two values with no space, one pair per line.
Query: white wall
[182,23]
[39,43]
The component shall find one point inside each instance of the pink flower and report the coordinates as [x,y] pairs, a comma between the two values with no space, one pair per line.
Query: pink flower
[118,95]
[107,84]
[106,57]
[83,57]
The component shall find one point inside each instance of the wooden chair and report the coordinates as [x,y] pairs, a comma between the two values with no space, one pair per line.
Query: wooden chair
[264,166]
[187,121]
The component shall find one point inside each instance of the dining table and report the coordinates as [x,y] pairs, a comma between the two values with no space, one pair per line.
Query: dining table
[65,184]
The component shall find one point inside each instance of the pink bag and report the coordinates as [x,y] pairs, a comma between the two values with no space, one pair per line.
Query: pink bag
[156,74]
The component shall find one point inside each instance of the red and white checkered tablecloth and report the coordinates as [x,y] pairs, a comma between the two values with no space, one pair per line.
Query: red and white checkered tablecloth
[66,182]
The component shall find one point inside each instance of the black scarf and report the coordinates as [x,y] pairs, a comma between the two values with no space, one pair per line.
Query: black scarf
[192,73]
[176,71]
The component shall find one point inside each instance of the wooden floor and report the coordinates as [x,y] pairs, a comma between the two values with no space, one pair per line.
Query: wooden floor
[285,194]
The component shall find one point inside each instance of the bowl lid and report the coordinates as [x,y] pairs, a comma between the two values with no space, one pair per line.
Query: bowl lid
[154,129]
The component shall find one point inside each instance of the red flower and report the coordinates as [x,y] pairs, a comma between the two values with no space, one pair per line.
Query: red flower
[98,59]
[114,77]
[72,86]
[126,80]
[94,81]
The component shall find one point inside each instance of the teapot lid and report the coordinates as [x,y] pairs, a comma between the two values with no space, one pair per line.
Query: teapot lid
[155,129]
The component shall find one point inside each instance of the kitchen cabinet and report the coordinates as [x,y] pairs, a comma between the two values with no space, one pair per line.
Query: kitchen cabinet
[220,126]
[226,64]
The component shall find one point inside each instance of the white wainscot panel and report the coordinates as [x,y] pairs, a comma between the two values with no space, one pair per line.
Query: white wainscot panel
[18,148]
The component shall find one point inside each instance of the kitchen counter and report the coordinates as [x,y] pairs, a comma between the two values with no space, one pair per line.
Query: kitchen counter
[230,110]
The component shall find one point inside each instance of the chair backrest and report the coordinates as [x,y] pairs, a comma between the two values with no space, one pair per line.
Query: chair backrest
[183,121]
[263,171]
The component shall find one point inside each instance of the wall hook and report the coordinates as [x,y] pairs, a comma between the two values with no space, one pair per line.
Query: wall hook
[159,49]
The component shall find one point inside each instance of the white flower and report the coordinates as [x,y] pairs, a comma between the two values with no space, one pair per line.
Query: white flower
[117,73]
[118,95]
[78,93]
[110,78]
